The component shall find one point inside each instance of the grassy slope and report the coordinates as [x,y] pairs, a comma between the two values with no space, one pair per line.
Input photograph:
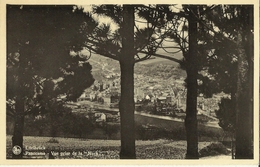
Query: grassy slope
[109,149]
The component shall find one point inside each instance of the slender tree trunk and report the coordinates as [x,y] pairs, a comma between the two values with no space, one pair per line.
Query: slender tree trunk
[53,123]
[126,106]
[232,131]
[17,139]
[250,99]
[232,146]
[249,49]
[191,124]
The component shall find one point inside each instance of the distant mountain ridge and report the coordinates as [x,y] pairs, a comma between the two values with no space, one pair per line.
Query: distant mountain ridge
[155,66]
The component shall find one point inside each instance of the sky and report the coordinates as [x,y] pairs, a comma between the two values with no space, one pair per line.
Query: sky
[107,20]
[100,19]
[113,26]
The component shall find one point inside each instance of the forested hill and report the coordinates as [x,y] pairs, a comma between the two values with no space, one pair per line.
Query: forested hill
[160,70]
[155,67]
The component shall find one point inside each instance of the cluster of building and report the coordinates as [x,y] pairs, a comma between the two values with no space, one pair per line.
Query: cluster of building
[171,91]
[107,92]
[154,89]
[101,117]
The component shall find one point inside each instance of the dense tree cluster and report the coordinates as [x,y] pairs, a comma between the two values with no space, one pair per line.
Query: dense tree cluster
[66,124]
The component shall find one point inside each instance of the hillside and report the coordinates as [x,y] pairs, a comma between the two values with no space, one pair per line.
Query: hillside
[160,70]
[155,67]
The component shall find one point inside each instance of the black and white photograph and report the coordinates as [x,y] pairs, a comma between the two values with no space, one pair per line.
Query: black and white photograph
[131,81]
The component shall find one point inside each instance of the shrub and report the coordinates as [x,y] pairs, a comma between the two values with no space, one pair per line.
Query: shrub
[213,149]
[148,132]
[66,124]
[206,133]
[226,114]
[77,125]
[110,129]
[53,140]
[179,134]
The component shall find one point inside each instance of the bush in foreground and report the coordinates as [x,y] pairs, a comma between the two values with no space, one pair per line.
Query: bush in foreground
[214,149]
[53,140]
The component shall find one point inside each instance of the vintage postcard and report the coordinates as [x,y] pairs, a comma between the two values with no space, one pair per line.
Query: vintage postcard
[130,83]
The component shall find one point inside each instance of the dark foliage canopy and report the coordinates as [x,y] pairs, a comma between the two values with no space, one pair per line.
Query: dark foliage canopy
[43,60]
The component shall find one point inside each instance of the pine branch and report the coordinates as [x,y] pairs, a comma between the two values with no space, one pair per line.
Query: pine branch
[171,47]
[140,21]
[211,29]
[208,9]
[162,56]
[105,54]
[146,57]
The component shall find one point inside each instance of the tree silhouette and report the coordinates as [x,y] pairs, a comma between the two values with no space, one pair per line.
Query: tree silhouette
[125,45]
[231,66]
[183,32]
[42,60]
[221,65]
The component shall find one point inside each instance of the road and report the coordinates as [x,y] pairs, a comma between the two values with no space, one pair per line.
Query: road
[102,107]
[206,114]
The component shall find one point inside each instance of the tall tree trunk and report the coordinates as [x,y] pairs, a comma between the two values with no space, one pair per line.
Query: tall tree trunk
[17,139]
[126,106]
[191,124]
[244,120]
